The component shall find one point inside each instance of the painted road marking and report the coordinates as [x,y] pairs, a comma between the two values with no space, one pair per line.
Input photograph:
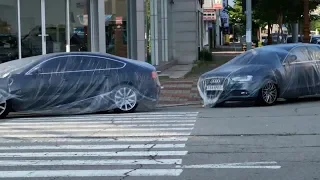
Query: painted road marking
[122,146]
[94,126]
[157,140]
[93,154]
[91,173]
[245,165]
[94,134]
[86,121]
[116,162]
[88,129]
[94,140]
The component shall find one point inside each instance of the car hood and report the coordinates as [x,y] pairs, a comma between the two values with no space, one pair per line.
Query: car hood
[234,70]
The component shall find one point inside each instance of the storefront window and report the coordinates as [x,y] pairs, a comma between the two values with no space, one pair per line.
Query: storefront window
[55,25]
[116,27]
[8,31]
[31,41]
[79,25]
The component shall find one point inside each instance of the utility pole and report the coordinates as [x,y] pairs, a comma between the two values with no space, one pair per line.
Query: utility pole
[248,24]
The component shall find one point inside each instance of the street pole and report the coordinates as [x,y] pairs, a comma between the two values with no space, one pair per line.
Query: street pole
[248,24]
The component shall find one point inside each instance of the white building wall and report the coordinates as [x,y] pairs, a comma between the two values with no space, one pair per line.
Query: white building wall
[186,31]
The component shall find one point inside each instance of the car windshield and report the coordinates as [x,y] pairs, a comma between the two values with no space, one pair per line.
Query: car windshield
[17,66]
[261,56]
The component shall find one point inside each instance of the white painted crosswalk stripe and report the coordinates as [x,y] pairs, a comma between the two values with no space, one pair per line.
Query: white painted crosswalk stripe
[90,143]
[116,162]
[91,173]
[122,146]
[94,140]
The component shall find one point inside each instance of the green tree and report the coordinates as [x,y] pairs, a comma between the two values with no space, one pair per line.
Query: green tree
[315,24]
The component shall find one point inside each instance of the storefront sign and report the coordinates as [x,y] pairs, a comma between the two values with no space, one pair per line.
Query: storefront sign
[119,20]
[217,4]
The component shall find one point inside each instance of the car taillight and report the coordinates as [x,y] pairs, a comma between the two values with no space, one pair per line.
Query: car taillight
[155,77]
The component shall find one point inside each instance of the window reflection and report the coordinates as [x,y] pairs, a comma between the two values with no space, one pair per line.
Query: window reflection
[79,23]
[31,42]
[8,31]
[116,27]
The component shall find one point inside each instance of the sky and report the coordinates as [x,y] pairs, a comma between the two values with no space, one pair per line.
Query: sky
[231,3]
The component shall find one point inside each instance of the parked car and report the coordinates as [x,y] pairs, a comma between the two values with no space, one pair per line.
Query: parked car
[77,83]
[264,74]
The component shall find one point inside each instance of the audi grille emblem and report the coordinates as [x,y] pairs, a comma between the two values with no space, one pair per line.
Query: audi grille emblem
[215,81]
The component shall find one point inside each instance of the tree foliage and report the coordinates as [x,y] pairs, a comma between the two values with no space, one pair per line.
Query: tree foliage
[273,11]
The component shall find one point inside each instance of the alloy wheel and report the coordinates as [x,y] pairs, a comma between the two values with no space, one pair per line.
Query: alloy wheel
[125,98]
[3,107]
[269,93]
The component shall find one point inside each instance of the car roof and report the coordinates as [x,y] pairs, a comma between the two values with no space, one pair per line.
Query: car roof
[286,47]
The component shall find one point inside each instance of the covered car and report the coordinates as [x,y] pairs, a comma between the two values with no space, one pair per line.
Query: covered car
[263,75]
[76,83]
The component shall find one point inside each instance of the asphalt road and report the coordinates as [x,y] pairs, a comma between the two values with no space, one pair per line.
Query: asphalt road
[237,141]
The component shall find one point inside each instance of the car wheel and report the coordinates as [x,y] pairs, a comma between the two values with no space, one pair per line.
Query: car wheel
[268,94]
[4,109]
[126,99]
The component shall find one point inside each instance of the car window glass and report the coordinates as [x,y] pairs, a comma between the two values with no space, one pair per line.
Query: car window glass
[302,54]
[96,63]
[90,63]
[54,65]
[314,53]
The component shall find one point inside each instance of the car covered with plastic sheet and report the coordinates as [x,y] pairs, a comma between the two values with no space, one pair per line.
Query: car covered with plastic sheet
[263,75]
[77,83]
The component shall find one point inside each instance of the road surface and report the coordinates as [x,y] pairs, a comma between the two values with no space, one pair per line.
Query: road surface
[181,143]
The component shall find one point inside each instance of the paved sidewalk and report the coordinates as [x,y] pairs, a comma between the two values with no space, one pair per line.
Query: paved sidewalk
[179,92]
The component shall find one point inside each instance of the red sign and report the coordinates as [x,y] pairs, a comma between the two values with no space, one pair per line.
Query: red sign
[118,20]
[217,4]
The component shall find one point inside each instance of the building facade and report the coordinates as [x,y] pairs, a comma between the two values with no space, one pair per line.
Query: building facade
[119,27]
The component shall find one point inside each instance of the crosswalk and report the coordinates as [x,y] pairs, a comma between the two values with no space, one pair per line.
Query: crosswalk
[87,146]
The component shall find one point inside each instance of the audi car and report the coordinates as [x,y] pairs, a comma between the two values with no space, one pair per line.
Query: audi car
[263,75]
[77,82]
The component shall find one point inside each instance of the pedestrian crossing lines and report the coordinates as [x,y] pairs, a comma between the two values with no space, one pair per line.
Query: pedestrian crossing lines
[139,144]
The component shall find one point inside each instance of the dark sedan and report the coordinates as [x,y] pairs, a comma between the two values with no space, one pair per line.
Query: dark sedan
[263,75]
[77,83]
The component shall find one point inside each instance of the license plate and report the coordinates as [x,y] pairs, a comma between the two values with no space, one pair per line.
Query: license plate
[214,88]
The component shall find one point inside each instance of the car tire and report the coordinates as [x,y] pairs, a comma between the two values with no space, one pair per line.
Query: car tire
[268,94]
[128,94]
[4,109]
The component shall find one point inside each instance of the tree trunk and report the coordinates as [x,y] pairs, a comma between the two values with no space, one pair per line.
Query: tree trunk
[306,26]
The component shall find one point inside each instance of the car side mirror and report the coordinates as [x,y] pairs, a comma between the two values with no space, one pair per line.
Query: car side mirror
[290,59]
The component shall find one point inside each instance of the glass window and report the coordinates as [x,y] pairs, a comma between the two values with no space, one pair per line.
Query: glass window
[8,31]
[55,25]
[302,54]
[54,65]
[116,27]
[79,25]
[31,28]
[314,52]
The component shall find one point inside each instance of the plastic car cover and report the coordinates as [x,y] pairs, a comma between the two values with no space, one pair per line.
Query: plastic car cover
[294,69]
[49,91]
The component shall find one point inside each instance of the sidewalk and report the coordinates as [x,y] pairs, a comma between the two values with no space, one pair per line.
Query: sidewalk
[181,90]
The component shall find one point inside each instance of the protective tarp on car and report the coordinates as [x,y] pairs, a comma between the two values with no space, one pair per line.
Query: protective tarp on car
[77,83]
[263,75]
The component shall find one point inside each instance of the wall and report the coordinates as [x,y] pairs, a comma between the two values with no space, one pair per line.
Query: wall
[184,18]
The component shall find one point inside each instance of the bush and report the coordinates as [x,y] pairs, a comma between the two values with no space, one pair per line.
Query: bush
[205,55]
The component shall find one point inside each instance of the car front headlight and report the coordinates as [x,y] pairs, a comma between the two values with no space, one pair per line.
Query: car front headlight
[242,78]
